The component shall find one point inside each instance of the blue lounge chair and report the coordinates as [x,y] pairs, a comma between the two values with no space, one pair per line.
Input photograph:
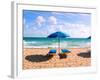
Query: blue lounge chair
[65,51]
[53,51]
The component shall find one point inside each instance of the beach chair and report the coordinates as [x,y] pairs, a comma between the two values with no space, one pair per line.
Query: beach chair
[52,52]
[63,54]
[65,51]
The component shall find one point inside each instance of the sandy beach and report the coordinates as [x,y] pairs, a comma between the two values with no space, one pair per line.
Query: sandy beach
[35,58]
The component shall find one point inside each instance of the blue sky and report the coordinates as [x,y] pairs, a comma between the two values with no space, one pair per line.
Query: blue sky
[43,23]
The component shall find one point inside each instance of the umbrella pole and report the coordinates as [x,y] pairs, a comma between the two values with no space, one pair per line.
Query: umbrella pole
[58,45]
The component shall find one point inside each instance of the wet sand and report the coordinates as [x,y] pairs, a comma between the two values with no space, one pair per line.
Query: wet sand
[35,58]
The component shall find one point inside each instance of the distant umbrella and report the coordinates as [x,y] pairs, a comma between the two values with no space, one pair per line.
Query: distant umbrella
[89,37]
[58,35]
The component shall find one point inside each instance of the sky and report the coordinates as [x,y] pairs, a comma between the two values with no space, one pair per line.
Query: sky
[44,23]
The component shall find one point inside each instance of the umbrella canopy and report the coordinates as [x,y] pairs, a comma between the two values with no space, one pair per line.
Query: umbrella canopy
[58,35]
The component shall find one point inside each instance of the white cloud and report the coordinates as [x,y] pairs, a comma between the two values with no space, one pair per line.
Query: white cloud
[78,33]
[53,20]
[76,30]
[40,20]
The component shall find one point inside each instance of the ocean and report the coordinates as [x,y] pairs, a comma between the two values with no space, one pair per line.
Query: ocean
[35,42]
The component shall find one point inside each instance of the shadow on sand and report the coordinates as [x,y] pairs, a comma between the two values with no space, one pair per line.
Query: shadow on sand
[38,58]
[85,54]
[62,56]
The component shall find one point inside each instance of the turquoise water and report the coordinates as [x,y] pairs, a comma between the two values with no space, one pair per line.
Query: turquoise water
[55,42]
